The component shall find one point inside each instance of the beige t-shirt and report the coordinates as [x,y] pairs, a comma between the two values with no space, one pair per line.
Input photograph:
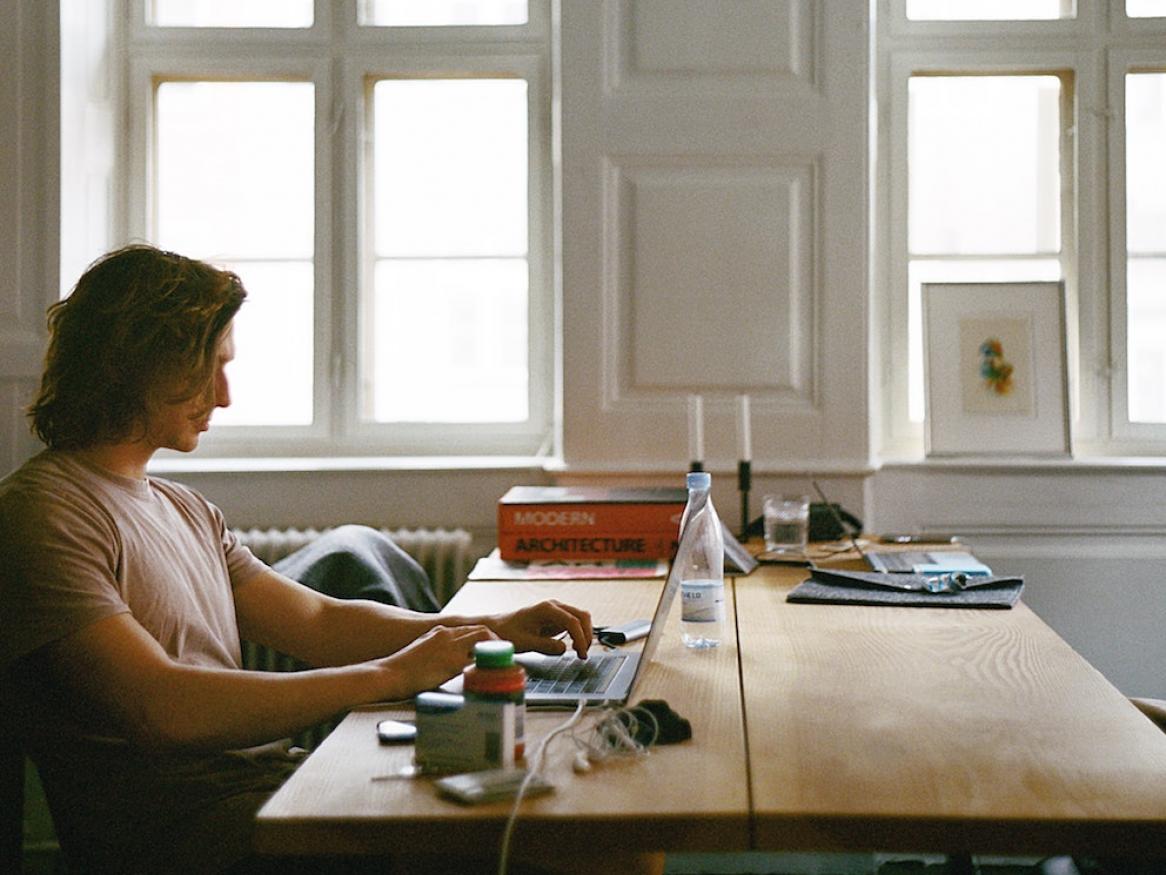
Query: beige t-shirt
[80,544]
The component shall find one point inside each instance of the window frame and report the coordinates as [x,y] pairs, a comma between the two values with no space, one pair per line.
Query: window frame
[1124,62]
[341,58]
[1081,50]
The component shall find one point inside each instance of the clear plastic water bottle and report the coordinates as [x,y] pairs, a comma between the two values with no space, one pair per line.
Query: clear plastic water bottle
[701,558]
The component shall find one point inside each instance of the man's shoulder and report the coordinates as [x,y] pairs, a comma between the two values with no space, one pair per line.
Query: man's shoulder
[39,474]
[45,487]
[47,471]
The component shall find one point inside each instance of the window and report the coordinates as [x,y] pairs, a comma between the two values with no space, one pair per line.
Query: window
[378,173]
[450,258]
[983,183]
[1024,143]
[1145,113]
[988,10]
[233,172]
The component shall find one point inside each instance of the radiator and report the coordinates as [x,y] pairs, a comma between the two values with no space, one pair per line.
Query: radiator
[444,554]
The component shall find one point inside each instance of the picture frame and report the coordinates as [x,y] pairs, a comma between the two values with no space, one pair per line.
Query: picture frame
[996,369]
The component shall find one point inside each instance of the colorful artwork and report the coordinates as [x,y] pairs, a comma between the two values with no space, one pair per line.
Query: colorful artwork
[996,365]
[995,373]
[994,368]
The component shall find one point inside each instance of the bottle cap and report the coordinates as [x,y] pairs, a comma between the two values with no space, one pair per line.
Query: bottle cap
[699,480]
[494,654]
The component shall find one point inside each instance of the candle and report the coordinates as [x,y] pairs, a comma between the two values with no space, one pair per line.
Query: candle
[744,440]
[695,428]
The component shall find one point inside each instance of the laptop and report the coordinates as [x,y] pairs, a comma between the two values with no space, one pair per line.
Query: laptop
[927,562]
[605,677]
[910,561]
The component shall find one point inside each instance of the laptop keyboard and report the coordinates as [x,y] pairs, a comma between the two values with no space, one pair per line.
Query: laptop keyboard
[903,561]
[571,675]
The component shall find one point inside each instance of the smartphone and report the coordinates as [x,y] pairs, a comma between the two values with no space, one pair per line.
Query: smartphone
[396,731]
[489,786]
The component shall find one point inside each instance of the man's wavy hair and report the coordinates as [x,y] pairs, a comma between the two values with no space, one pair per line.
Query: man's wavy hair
[142,326]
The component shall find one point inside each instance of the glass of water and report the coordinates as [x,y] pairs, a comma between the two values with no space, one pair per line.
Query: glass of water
[787,523]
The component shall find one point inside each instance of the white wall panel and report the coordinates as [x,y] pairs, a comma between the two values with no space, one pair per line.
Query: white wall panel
[711,46]
[703,250]
[16,440]
[10,180]
[714,241]
[28,182]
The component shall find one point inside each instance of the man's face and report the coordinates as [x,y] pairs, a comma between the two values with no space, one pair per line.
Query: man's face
[178,425]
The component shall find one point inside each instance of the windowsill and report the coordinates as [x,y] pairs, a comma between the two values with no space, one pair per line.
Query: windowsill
[1018,464]
[308,464]
[224,465]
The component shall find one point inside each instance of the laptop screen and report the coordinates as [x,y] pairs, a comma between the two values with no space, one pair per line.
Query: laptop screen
[663,606]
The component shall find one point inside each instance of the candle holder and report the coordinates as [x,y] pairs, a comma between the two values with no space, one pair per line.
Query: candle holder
[744,484]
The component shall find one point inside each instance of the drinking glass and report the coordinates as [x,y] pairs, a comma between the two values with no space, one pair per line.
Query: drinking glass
[787,523]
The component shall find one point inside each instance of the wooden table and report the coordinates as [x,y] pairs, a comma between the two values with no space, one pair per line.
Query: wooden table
[945,730]
[690,796]
[822,727]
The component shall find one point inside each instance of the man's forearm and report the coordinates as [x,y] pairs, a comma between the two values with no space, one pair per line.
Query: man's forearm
[354,630]
[219,709]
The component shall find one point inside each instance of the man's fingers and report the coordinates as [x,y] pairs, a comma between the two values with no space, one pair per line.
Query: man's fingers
[575,622]
[464,637]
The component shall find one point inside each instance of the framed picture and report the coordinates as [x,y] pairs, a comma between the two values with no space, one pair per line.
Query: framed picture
[995,367]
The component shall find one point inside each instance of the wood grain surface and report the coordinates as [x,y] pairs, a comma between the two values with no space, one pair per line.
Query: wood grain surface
[820,727]
[692,795]
[937,729]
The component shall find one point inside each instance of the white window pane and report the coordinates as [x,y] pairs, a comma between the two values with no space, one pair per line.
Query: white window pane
[232,13]
[235,169]
[450,167]
[1146,296]
[1145,164]
[1146,8]
[984,165]
[450,341]
[989,10]
[985,271]
[438,13]
[271,376]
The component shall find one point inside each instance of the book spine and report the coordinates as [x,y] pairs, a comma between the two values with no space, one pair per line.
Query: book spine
[559,545]
[582,519]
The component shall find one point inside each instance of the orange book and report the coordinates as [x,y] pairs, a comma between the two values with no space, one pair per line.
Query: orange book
[573,522]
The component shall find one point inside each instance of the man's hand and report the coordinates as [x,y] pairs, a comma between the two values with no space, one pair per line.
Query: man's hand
[433,658]
[539,626]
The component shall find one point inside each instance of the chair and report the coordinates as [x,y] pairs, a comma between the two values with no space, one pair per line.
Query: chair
[11,801]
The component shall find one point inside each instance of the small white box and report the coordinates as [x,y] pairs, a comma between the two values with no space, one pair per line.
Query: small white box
[456,735]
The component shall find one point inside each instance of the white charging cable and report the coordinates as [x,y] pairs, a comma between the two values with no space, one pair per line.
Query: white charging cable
[613,734]
[534,765]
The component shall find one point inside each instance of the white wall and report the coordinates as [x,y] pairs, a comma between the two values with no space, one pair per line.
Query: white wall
[28,213]
[714,240]
[1090,539]
[713,234]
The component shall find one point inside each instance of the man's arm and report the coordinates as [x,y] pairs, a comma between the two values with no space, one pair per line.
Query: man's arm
[372,653]
[132,687]
[325,631]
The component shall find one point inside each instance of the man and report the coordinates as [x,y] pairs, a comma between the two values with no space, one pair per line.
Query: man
[123,596]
